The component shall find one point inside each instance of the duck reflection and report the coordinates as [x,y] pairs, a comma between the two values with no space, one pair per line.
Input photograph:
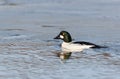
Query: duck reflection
[64,55]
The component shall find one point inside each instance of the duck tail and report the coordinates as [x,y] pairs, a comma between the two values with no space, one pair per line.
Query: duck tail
[98,47]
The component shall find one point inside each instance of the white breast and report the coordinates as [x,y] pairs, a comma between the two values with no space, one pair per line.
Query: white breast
[70,47]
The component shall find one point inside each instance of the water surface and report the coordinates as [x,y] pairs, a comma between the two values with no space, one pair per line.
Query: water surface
[28,50]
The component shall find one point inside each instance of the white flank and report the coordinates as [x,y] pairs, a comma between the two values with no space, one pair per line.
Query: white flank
[70,47]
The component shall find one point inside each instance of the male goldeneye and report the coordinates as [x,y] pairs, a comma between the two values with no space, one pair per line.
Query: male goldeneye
[78,46]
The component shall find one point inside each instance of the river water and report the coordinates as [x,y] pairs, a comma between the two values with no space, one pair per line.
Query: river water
[28,50]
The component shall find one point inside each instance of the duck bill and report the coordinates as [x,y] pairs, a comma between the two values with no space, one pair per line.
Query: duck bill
[57,37]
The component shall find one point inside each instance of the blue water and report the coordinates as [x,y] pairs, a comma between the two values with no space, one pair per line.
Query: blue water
[28,50]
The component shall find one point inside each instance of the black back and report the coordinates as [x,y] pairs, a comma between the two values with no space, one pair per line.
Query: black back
[88,43]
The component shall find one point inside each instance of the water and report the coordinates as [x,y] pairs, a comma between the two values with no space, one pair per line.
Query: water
[28,50]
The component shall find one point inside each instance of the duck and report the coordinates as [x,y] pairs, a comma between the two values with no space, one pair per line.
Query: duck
[75,46]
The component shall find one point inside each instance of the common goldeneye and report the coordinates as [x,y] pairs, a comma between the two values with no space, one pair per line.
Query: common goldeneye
[78,46]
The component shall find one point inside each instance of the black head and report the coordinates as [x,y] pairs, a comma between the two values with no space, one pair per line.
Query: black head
[65,36]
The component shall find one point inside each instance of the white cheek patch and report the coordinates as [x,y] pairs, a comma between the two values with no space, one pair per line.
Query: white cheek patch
[61,36]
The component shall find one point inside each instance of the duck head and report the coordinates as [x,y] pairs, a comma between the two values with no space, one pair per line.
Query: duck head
[65,36]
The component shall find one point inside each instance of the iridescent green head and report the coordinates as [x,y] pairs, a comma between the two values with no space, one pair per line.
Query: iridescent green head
[65,36]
